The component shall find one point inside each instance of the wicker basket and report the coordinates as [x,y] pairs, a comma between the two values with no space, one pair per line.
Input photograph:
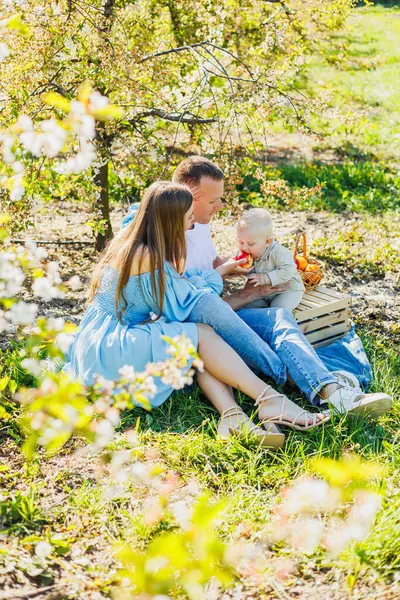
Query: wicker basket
[310,278]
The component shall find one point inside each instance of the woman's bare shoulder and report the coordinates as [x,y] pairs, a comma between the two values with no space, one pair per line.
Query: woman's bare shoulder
[142,258]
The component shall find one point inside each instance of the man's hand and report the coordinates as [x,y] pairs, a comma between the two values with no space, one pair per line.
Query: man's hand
[239,299]
[264,290]
[233,267]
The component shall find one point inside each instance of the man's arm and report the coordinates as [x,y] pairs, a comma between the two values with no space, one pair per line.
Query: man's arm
[239,299]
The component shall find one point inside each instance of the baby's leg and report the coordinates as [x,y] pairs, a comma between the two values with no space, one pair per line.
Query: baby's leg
[289,299]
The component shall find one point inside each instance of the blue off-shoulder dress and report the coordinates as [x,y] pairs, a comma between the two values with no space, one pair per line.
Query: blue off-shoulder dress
[103,344]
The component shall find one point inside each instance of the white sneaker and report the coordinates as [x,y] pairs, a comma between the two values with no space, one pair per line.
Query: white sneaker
[347,379]
[351,401]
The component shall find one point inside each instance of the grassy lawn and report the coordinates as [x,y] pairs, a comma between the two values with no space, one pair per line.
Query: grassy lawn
[57,501]
[359,72]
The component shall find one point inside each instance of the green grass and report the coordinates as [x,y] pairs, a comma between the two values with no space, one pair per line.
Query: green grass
[180,435]
[358,73]
[361,186]
[365,248]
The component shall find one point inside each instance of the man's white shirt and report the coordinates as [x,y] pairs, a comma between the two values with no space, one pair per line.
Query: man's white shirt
[201,251]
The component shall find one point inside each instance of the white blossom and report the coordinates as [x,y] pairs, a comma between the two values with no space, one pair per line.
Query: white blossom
[127,372]
[36,253]
[52,272]
[79,162]
[43,288]
[18,189]
[182,513]
[307,534]
[106,385]
[309,495]
[63,341]
[8,145]
[97,101]
[23,313]
[85,127]
[112,415]
[32,365]
[49,142]
[4,51]
[43,549]
[55,323]
[75,283]
[4,325]
[24,123]
[77,108]
[18,167]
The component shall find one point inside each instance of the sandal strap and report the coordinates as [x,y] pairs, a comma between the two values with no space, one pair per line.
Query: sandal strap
[235,411]
[306,415]
[269,393]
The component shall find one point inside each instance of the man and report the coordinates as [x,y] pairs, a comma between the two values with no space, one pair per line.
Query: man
[275,326]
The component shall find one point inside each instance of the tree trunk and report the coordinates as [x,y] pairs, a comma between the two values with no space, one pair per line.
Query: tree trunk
[102,204]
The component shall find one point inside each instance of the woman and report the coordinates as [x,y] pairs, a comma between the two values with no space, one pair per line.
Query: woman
[141,273]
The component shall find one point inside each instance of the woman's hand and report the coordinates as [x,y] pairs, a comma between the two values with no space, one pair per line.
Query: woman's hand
[233,267]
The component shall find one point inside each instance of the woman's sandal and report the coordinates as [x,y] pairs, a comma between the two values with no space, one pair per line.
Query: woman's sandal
[281,419]
[243,427]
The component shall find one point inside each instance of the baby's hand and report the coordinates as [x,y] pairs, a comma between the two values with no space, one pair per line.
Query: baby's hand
[259,279]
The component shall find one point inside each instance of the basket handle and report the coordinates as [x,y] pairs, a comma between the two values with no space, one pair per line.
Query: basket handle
[302,236]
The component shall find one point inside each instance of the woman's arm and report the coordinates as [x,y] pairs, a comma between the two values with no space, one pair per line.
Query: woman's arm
[180,297]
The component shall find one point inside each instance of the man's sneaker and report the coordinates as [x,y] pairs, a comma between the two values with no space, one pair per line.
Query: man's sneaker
[347,379]
[351,401]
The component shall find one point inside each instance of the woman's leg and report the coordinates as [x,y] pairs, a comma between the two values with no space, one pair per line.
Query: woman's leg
[232,416]
[213,311]
[221,361]
[220,395]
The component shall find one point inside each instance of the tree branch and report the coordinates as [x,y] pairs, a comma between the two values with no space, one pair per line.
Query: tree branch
[185,117]
[170,51]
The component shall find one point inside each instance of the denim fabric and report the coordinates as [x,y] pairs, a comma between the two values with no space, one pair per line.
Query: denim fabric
[348,353]
[257,354]
[278,328]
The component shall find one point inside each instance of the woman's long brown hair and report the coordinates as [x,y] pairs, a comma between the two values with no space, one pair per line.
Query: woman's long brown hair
[158,231]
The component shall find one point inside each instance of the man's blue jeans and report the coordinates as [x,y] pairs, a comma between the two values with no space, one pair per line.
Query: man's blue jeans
[278,327]
[268,340]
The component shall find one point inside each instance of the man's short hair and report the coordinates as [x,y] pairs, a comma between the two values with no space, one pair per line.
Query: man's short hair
[193,168]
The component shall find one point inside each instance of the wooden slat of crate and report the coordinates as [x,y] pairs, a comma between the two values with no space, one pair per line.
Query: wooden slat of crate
[324,321]
[323,316]
[330,331]
[322,301]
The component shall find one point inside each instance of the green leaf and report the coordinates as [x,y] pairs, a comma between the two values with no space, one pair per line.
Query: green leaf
[56,100]
[4,382]
[15,23]
[12,386]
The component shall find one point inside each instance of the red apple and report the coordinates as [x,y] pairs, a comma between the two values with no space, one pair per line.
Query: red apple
[249,259]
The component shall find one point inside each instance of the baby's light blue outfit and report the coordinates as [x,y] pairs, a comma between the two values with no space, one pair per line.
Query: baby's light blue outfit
[103,344]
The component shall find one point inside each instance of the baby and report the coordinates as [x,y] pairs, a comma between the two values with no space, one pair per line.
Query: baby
[273,263]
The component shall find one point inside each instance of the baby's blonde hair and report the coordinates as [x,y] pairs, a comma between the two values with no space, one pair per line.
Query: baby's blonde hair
[257,219]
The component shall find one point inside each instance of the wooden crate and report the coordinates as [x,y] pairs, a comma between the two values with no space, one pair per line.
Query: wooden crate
[323,316]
